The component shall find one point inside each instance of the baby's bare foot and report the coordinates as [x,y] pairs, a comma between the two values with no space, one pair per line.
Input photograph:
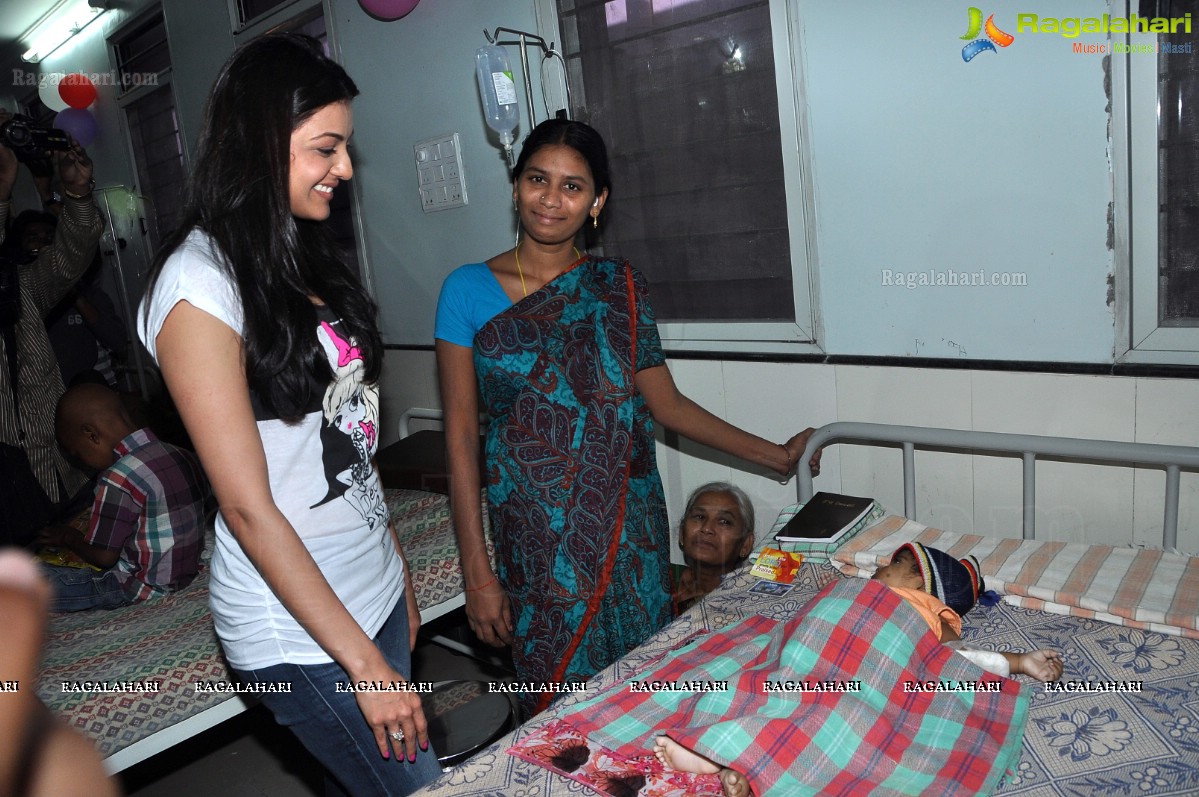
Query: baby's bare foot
[674,756]
[735,784]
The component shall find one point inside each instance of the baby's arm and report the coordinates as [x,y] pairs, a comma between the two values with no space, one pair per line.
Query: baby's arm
[1044,665]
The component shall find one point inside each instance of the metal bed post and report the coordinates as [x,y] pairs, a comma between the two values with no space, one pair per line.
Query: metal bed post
[909,480]
[1030,495]
[1170,521]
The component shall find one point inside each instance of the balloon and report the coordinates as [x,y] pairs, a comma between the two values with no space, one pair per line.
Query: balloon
[79,124]
[388,9]
[48,92]
[77,90]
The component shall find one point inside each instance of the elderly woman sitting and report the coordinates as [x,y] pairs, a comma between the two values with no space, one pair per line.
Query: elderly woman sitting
[716,535]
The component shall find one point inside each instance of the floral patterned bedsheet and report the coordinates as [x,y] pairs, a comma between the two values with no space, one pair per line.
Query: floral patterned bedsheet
[1078,741]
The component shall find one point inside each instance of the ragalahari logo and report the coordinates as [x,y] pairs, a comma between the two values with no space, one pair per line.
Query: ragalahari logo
[994,34]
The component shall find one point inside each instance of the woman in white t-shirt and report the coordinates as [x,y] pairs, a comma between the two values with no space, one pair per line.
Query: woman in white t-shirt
[269,346]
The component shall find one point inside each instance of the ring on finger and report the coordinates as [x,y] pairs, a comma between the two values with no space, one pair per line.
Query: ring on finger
[397,735]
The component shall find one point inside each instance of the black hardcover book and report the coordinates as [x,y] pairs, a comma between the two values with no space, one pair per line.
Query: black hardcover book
[825,518]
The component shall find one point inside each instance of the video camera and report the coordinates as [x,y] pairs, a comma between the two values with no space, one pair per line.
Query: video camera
[29,141]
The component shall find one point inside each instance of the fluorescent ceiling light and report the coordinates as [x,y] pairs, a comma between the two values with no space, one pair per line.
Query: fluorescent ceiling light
[56,28]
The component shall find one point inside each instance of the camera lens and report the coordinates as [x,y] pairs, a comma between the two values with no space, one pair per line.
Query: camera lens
[15,134]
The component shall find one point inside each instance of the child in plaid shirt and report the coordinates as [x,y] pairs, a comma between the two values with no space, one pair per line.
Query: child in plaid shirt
[146,528]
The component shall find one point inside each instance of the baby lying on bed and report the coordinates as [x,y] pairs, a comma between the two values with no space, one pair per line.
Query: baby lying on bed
[941,589]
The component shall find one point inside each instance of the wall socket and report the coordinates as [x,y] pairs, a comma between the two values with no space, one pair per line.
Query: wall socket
[439,173]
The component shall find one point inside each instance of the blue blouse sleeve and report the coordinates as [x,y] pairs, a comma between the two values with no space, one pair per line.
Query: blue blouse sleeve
[470,297]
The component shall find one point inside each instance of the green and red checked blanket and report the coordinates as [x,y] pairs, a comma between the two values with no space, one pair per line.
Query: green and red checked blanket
[850,696]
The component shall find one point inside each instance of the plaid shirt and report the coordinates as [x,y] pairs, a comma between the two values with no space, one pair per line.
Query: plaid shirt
[151,505]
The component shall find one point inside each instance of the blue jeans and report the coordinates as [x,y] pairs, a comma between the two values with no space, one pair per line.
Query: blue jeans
[331,726]
[79,588]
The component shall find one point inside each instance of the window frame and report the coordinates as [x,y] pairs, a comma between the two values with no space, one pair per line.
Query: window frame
[802,336]
[1136,185]
[130,96]
[255,26]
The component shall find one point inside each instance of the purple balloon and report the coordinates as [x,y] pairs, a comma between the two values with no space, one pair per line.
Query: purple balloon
[388,9]
[79,124]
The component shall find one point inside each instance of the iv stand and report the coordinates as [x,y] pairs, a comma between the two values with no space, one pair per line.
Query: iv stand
[524,37]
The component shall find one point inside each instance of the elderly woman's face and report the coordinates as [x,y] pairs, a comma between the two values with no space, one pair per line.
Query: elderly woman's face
[713,533]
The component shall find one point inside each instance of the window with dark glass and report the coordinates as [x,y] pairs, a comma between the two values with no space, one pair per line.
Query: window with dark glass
[684,94]
[1178,174]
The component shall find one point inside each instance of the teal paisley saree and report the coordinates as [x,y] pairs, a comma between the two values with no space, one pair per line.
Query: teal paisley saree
[576,504]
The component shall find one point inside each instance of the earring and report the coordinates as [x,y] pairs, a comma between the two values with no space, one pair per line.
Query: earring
[595,221]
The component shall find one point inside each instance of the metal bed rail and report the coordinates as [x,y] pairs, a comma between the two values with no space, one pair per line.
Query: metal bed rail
[1172,458]
[417,413]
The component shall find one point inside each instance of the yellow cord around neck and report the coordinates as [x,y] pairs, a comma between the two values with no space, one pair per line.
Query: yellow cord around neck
[516,253]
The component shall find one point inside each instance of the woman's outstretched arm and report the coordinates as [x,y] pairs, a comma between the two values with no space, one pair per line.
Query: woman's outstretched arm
[680,414]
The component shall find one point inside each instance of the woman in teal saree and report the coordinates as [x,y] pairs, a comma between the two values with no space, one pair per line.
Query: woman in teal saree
[564,351]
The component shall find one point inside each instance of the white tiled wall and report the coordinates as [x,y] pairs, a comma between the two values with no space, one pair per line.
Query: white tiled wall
[965,493]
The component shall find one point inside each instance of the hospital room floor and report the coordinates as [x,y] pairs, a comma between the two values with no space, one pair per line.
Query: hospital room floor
[250,756]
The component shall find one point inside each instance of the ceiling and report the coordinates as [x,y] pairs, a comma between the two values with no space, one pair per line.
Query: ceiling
[16,17]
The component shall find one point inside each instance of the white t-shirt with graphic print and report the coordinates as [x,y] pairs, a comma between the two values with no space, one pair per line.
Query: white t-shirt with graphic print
[321,478]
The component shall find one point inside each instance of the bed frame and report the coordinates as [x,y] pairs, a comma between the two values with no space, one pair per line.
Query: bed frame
[1057,726]
[1173,458]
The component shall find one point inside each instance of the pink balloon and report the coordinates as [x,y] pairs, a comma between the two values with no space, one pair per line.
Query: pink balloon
[388,9]
[79,124]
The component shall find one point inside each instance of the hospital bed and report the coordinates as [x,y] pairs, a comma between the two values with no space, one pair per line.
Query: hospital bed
[1123,618]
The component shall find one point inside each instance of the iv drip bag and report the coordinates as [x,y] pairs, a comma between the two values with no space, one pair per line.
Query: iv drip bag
[498,92]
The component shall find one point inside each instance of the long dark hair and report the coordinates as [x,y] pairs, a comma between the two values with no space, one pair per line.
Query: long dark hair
[238,194]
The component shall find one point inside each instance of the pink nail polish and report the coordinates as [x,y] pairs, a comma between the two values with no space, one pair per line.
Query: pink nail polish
[412,758]
[424,746]
[387,754]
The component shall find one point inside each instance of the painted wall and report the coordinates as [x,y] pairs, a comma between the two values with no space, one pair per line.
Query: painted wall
[417,77]
[925,162]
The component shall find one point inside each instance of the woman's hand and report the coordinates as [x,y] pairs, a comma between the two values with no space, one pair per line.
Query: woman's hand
[389,712]
[490,614]
[795,448]
[487,606]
